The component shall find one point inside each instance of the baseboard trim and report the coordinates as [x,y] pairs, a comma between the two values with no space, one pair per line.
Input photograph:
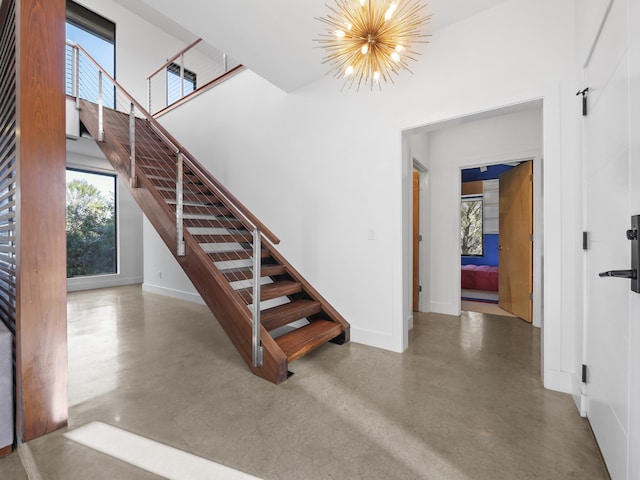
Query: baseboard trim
[5,451]
[106,281]
[558,381]
[376,339]
[170,292]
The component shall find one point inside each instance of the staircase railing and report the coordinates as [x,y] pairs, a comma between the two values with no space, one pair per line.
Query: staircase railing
[87,80]
[189,71]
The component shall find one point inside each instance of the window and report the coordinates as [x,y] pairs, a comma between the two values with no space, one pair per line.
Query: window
[91,224]
[471,239]
[97,36]
[174,90]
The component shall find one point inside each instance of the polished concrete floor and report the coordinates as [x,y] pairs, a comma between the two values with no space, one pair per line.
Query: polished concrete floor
[464,402]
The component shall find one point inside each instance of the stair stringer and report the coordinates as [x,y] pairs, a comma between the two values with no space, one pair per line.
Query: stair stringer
[223,301]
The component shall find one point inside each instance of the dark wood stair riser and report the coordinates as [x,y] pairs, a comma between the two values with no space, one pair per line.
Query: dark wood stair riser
[282,315]
[247,273]
[236,255]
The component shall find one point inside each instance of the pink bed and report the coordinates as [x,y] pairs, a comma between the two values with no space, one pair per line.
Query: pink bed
[479,277]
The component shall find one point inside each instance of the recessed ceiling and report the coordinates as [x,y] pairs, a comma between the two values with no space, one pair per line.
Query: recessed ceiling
[274,38]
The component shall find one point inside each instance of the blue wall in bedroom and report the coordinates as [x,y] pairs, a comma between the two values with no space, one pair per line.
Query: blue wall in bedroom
[490,240]
[490,252]
[493,172]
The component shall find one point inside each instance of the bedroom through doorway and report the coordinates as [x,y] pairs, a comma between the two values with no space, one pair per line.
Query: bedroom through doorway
[496,239]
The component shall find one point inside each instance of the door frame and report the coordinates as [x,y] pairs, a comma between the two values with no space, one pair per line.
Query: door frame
[423,262]
[548,304]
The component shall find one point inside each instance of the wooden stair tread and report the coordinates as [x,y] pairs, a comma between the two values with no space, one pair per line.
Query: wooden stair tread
[301,341]
[281,315]
[272,290]
[247,273]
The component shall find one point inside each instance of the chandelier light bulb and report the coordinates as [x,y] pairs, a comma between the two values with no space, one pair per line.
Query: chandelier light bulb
[372,40]
[392,8]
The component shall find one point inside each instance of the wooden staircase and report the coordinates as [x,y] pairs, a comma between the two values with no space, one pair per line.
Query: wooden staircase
[218,246]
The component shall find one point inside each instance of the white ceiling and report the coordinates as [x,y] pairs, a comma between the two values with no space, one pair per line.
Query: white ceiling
[273,38]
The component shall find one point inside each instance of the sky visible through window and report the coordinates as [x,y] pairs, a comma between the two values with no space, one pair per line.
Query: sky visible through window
[102,52]
[104,183]
[98,48]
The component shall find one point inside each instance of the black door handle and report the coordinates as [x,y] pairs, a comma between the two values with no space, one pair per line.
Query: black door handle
[633,274]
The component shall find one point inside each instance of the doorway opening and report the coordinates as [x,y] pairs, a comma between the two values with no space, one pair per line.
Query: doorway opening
[496,239]
[503,135]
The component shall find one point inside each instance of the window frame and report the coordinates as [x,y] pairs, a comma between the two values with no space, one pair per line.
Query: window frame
[94,24]
[116,230]
[189,76]
[468,199]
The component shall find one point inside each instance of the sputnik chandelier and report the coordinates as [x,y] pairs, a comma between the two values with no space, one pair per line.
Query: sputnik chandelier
[368,40]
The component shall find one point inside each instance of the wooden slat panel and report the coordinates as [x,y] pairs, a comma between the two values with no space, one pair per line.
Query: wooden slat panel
[41,333]
[8,116]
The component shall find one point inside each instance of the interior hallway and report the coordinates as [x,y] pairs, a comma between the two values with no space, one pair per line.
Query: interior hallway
[465,402]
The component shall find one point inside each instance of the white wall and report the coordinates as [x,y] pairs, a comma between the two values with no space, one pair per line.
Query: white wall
[324,169]
[500,139]
[84,154]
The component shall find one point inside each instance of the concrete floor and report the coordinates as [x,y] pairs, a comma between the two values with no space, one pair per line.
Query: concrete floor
[464,402]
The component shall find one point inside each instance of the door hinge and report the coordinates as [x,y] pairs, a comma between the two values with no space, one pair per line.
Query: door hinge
[419,238]
[531,237]
[585,240]
[531,296]
[419,288]
[584,373]
[531,178]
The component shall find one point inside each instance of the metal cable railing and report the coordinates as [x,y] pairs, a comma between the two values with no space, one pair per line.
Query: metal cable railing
[190,70]
[204,209]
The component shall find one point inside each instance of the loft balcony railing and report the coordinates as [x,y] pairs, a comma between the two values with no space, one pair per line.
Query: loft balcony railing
[87,80]
[189,72]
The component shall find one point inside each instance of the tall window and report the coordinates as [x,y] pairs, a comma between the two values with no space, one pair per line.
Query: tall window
[471,240]
[91,224]
[97,36]
[174,88]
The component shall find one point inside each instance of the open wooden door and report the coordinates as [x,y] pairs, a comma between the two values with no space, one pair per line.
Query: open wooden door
[416,240]
[515,257]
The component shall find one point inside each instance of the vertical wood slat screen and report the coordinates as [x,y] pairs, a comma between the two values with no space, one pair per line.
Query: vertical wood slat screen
[8,168]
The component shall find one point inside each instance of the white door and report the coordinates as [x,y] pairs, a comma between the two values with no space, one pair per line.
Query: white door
[607,208]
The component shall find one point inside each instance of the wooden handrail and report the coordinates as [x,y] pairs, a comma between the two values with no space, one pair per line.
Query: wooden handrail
[170,60]
[245,216]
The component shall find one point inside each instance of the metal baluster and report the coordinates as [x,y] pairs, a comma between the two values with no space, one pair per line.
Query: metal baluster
[149,95]
[257,352]
[179,208]
[133,180]
[182,75]
[75,58]
[100,115]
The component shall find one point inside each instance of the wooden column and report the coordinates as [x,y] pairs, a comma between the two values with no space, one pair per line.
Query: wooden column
[41,312]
